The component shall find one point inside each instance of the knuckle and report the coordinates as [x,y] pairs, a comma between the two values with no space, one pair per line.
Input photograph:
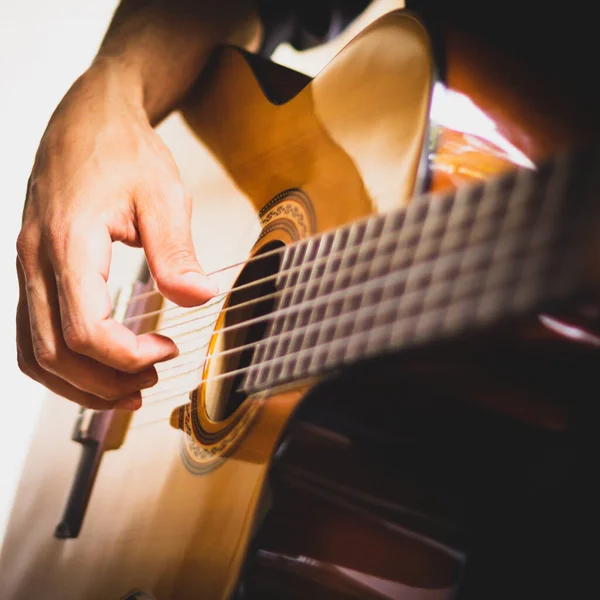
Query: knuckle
[90,402]
[77,337]
[174,191]
[36,188]
[27,243]
[131,363]
[46,354]
[25,365]
[109,395]
[110,392]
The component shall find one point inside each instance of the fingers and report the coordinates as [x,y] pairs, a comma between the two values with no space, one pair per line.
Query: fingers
[129,399]
[164,225]
[54,310]
[81,269]
[83,195]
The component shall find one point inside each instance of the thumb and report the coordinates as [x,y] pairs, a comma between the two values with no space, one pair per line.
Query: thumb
[164,225]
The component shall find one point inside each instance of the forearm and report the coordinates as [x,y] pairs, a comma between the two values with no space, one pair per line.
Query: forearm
[154,49]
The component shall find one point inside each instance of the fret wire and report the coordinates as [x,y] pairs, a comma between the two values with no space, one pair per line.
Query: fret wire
[264,348]
[375,261]
[290,291]
[338,249]
[290,321]
[323,286]
[429,217]
[341,280]
[521,199]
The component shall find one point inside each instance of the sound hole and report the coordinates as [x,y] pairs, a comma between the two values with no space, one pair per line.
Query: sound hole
[256,299]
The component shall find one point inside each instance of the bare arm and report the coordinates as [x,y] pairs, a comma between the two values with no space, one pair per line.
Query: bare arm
[157,48]
[102,174]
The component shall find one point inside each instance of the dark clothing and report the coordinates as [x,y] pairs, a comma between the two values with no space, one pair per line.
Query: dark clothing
[305,23]
[558,42]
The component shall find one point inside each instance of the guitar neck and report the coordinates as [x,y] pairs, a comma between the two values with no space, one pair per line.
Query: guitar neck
[448,264]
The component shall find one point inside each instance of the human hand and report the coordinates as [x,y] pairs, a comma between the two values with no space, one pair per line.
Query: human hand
[101,175]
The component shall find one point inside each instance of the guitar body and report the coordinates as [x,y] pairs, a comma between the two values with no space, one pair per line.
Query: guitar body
[341,513]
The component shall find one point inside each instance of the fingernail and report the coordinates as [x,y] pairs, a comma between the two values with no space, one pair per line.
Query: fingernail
[199,280]
[173,354]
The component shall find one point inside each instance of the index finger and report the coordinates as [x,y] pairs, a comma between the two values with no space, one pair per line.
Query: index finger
[81,265]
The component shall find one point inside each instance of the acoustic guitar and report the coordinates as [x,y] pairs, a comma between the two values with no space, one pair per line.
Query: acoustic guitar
[383,401]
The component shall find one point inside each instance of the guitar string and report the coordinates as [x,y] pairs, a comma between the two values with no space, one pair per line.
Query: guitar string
[314,262]
[413,267]
[291,310]
[350,291]
[382,331]
[154,292]
[209,325]
[338,320]
[440,203]
[358,337]
[274,361]
[314,302]
[447,197]
[310,350]
[218,313]
[355,249]
[297,287]
[402,210]
[429,201]
[329,345]
[513,230]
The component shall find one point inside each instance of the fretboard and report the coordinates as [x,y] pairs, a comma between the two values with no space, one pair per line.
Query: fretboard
[446,265]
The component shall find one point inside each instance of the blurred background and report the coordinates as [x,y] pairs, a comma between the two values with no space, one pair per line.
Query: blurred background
[44,46]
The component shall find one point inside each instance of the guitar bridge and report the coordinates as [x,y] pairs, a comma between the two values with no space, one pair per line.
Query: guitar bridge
[88,431]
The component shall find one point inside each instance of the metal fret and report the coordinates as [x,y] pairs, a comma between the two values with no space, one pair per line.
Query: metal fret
[321,288]
[458,260]
[341,279]
[283,345]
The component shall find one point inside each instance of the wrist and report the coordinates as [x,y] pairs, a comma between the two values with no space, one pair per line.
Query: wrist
[111,80]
